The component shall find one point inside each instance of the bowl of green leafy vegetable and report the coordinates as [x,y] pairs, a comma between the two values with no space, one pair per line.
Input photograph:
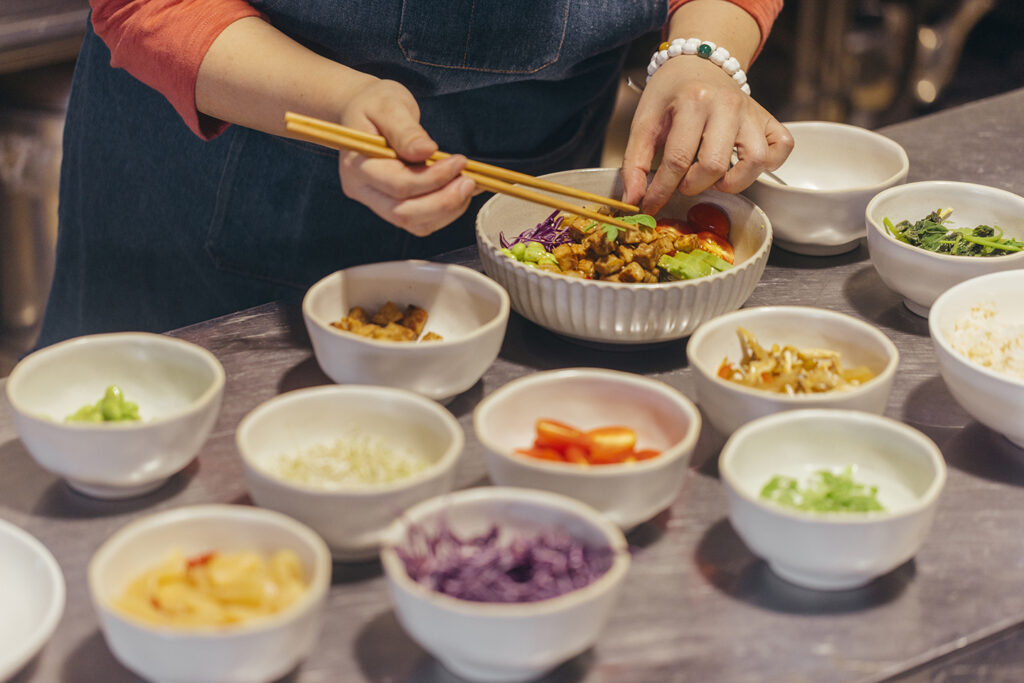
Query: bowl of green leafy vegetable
[926,237]
[831,499]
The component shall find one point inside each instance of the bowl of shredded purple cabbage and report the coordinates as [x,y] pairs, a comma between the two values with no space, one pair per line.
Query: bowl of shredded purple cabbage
[504,584]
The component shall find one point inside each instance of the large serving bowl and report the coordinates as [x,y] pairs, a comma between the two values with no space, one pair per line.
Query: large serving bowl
[263,649]
[610,312]
[919,275]
[504,641]
[832,173]
[627,493]
[835,550]
[466,308]
[177,386]
[994,398]
[729,405]
[31,597]
[350,518]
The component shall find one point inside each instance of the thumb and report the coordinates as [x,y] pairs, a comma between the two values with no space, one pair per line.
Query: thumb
[401,128]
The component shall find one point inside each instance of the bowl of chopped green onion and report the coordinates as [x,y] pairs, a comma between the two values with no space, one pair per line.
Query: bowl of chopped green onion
[831,499]
[926,237]
[116,415]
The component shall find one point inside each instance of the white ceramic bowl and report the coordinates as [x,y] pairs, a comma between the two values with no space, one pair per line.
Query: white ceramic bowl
[31,597]
[627,493]
[729,405]
[610,312]
[352,518]
[177,385]
[919,275]
[505,642]
[833,172]
[832,551]
[255,652]
[464,307]
[993,398]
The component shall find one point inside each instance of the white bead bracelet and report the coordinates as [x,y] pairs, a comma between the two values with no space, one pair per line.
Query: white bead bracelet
[704,49]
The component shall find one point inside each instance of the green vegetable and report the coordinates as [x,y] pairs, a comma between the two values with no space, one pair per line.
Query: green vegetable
[640,220]
[518,251]
[111,408]
[688,266]
[825,492]
[534,250]
[932,233]
[715,262]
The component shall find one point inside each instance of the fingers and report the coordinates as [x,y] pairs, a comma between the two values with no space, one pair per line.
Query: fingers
[751,151]
[721,130]
[425,214]
[399,181]
[636,162]
[780,143]
[389,108]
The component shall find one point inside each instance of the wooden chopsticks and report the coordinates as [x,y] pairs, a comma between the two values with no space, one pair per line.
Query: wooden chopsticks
[492,178]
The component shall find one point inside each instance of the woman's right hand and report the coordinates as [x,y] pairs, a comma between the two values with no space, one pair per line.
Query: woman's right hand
[417,198]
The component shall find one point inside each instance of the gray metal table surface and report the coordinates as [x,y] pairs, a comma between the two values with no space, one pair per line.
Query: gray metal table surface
[697,605]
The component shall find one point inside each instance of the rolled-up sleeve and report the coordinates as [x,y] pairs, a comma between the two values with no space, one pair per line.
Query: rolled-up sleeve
[764,13]
[163,42]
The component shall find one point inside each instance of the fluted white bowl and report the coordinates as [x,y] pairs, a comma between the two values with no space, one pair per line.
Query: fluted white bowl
[919,275]
[611,312]
[831,175]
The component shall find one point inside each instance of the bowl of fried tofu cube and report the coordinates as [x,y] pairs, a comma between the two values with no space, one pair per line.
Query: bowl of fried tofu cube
[431,328]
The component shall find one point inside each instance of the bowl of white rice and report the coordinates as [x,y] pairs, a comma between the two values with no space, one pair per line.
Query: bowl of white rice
[977,329]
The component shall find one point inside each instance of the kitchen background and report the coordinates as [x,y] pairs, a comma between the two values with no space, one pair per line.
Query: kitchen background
[866,62]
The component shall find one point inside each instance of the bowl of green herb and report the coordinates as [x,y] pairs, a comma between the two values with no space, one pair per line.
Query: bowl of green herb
[926,237]
[831,499]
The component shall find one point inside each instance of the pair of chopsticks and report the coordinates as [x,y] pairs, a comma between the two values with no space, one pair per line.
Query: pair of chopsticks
[492,178]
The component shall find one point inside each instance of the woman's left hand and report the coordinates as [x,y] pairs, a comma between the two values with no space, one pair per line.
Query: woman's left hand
[697,114]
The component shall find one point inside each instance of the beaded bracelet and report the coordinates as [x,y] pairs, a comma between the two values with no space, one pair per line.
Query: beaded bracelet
[704,49]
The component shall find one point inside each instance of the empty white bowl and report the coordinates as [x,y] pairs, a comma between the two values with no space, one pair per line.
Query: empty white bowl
[728,405]
[31,597]
[177,386]
[832,173]
[261,650]
[626,493]
[994,398]
[611,312]
[505,641]
[919,275]
[466,308]
[350,518]
[832,551]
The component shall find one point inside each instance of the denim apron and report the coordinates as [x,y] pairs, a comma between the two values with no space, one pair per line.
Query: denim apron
[159,229]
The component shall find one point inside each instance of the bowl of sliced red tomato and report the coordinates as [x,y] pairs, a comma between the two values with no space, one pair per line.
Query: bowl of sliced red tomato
[653,281]
[617,441]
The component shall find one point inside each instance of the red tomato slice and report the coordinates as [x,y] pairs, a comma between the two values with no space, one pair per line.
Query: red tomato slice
[555,434]
[717,245]
[674,225]
[541,453]
[708,217]
[577,454]
[646,454]
[609,444]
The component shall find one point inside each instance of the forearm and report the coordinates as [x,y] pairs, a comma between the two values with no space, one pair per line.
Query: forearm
[722,22]
[252,74]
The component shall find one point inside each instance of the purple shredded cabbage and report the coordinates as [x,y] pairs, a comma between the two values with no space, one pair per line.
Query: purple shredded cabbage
[487,568]
[550,233]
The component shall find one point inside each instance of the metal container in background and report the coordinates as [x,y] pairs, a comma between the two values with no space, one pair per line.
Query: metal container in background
[32,110]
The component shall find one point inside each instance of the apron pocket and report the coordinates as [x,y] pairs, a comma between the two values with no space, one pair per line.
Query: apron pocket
[495,36]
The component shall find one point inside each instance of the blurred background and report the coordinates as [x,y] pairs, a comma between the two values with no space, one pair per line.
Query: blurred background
[866,62]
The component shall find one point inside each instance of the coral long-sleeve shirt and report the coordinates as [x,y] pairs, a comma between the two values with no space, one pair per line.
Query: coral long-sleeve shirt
[163,42]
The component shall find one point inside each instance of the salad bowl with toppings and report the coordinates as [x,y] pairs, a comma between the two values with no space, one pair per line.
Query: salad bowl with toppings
[116,415]
[831,499]
[607,285]
[617,441]
[983,233]
[504,584]
[977,331]
[347,460]
[759,361]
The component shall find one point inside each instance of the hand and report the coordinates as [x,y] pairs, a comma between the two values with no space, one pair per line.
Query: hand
[417,198]
[698,114]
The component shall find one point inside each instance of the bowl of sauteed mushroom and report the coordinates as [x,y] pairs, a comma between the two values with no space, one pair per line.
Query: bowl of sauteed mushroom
[700,257]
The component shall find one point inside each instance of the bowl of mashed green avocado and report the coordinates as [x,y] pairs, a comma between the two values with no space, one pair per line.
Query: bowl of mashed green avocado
[116,415]
[831,499]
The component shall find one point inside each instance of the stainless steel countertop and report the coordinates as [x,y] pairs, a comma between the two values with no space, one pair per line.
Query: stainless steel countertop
[697,605]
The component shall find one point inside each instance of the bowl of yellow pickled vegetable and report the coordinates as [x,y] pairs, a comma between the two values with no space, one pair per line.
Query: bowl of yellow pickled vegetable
[831,499]
[225,593]
[116,415]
